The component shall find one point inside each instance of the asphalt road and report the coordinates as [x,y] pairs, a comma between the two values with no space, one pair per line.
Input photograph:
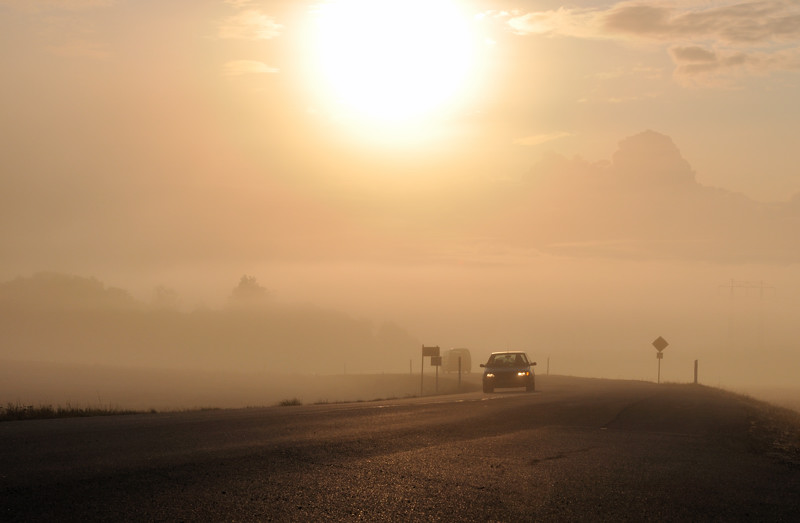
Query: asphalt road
[577,449]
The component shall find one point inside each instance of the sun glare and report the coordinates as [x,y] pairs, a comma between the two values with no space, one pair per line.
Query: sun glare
[392,62]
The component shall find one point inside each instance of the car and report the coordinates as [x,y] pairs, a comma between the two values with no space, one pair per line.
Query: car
[508,369]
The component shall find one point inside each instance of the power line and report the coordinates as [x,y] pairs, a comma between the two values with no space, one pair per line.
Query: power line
[742,284]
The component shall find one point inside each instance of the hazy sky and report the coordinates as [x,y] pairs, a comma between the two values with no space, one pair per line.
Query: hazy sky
[490,173]
[161,137]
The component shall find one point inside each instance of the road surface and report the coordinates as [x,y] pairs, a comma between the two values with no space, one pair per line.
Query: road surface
[577,449]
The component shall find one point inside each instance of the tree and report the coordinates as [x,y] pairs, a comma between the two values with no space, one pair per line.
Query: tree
[249,293]
[52,290]
[165,298]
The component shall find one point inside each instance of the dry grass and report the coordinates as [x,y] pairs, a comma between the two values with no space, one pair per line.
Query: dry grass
[17,411]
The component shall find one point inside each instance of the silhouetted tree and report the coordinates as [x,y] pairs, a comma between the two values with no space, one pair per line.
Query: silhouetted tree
[64,291]
[249,292]
[165,298]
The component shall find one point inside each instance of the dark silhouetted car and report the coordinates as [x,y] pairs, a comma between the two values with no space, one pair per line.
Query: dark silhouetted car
[508,369]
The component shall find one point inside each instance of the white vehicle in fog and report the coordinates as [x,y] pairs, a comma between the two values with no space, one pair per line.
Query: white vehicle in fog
[450,361]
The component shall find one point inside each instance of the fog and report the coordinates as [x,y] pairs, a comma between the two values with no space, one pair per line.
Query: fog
[581,264]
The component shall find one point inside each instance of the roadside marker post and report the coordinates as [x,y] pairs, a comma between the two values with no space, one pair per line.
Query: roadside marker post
[660,344]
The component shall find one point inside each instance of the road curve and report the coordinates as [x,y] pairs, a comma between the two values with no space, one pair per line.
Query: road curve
[577,449]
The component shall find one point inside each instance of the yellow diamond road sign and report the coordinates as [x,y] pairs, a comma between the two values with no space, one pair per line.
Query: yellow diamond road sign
[660,344]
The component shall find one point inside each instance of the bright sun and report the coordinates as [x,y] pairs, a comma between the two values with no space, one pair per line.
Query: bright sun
[392,62]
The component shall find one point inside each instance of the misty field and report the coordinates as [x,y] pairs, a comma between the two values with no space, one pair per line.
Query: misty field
[114,389]
[34,390]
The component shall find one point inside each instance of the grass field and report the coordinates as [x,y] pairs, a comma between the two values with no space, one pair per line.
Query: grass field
[31,390]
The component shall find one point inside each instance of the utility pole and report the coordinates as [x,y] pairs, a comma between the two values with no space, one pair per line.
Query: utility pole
[459,374]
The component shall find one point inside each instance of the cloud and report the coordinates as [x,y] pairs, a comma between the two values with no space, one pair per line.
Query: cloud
[755,37]
[645,203]
[538,139]
[697,65]
[638,19]
[250,24]
[693,54]
[695,60]
[242,67]
[650,159]
[743,23]
[562,22]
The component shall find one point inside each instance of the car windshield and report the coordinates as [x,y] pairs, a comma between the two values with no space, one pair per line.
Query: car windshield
[507,360]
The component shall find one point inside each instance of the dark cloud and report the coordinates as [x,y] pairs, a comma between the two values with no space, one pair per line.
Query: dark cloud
[693,53]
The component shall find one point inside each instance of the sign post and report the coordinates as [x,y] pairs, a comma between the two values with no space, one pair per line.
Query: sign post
[427,351]
[436,361]
[660,344]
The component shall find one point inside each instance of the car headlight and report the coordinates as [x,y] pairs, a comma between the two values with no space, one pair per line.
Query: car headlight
[489,375]
[524,373]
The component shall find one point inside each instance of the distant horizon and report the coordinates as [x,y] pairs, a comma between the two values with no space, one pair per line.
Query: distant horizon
[171,390]
[571,180]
